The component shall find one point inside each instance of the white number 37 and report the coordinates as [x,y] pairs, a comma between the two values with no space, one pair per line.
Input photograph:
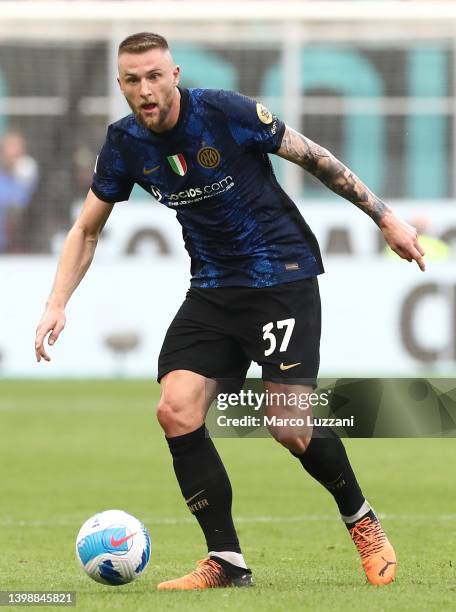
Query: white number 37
[269,336]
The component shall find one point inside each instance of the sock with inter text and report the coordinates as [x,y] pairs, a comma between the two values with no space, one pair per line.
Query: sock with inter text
[207,491]
[325,459]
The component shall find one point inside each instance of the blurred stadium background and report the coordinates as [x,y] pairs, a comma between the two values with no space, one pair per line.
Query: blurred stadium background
[374,82]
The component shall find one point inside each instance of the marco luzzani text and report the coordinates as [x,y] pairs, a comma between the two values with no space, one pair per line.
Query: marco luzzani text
[297,409]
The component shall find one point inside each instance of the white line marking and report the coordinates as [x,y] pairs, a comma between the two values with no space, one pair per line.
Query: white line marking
[414,518]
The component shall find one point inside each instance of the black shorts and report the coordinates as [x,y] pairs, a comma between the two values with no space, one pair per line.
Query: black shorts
[218,332]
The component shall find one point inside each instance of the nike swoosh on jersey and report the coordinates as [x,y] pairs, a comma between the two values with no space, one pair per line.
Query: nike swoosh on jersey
[115,543]
[193,496]
[284,367]
[150,170]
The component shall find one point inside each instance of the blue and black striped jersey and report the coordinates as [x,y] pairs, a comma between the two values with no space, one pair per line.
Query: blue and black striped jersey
[212,168]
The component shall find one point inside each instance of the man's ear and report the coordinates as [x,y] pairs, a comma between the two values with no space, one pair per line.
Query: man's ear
[176,75]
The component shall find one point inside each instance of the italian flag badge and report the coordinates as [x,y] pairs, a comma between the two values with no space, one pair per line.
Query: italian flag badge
[178,163]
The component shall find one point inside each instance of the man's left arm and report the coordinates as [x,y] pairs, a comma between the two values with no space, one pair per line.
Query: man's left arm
[400,236]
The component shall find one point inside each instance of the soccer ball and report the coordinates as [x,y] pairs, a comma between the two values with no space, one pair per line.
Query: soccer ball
[113,547]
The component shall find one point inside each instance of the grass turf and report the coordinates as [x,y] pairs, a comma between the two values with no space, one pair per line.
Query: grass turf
[70,449]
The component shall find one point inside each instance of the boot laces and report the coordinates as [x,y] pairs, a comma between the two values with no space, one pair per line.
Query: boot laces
[211,573]
[368,537]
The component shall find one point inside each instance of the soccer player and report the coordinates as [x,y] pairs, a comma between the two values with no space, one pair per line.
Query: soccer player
[254,289]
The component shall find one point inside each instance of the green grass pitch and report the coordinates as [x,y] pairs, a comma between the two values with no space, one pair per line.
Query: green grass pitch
[70,449]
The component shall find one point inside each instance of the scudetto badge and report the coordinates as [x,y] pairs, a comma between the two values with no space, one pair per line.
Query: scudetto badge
[208,157]
[178,163]
[263,113]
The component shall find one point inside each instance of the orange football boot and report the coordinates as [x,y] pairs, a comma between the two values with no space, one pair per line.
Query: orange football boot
[208,575]
[377,555]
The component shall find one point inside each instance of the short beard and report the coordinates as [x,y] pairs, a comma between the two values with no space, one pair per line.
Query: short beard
[162,114]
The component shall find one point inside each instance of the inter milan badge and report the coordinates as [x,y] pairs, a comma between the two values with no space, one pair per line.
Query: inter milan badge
[208,157]
[264,115]
[178,163]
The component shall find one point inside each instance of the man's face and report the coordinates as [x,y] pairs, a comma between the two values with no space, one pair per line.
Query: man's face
[148,81]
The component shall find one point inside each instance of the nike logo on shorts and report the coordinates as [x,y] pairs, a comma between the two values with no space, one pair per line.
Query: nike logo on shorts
[284,367]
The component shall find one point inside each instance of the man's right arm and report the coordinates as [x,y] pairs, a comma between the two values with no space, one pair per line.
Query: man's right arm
[75,259]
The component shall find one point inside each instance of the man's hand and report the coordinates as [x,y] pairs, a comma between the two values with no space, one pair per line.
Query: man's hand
[53,320]
[402,238]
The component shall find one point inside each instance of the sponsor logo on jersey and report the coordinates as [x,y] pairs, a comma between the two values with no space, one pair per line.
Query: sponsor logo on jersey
[208,157]
[178,164]
[192,195]
[156,193]
[264,115]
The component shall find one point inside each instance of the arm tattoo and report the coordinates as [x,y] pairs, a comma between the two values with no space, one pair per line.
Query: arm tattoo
[331,172]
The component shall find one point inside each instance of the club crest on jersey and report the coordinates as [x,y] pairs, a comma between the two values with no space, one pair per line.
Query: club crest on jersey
[208,157]
[178,163]
[264,115]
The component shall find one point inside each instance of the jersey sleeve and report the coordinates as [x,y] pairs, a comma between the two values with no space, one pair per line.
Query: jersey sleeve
[252,124]
[110,181]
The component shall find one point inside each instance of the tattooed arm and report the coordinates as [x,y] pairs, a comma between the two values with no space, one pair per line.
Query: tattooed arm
[400,236]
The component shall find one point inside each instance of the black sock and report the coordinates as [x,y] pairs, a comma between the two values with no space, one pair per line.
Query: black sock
[325,460]
[206,487]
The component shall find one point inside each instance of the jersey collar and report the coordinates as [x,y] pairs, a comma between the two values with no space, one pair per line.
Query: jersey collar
[180,120]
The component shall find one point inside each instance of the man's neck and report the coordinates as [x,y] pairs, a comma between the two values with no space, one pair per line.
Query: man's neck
[173,115]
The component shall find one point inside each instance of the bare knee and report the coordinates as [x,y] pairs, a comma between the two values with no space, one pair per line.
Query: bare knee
[181,408]
[292,426]
[293,442]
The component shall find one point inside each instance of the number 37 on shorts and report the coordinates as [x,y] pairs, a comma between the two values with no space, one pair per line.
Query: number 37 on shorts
[271,333]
